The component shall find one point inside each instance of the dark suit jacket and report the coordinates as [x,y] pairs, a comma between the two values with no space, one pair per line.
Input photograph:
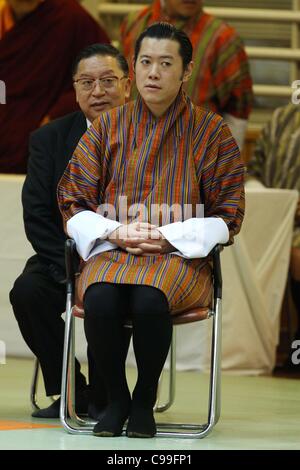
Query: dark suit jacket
[50,149]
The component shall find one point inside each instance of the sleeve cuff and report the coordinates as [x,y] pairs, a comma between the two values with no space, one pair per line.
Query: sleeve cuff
[88,228]
[195,238]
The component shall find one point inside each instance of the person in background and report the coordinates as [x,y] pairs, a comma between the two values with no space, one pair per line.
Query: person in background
[38,297]
[160,152]
[39,40]
[275,163]
[221,79]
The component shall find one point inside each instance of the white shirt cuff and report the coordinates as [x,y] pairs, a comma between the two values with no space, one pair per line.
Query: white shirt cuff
[90,230]
[196,237]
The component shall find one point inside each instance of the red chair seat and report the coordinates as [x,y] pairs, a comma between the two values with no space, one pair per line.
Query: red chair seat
[189,316]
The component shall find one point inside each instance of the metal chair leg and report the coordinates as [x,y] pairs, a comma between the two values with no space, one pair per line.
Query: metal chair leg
[67,404]
[199,431]
[172,378]
[34,384]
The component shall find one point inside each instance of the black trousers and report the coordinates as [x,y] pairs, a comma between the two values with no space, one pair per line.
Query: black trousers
[106,307]
[38,302]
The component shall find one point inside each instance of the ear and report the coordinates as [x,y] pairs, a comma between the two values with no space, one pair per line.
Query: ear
[133,64]
[188,72]
[75,89]
[127,88]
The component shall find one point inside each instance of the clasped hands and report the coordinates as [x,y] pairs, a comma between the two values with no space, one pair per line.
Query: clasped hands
[140,238]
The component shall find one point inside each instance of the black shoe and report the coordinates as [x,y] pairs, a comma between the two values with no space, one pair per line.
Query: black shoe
[141,422]
[112,420]
[96,412]
[52,411]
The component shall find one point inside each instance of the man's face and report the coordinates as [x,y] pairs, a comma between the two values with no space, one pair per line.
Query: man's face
[159,73]
[183,8]
[110,90]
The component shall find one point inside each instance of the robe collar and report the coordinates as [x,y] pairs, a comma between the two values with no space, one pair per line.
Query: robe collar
[144,121]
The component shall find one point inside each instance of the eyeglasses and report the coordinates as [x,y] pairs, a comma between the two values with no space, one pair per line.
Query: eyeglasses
[106,83]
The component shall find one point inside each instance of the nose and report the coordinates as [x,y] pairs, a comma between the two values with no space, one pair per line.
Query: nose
[153,72]
[98,89]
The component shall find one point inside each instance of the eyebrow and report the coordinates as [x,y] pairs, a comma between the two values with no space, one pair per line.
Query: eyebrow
[160,57]
[105,73]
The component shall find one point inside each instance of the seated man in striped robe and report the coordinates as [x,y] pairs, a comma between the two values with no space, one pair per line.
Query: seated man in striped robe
[132,198]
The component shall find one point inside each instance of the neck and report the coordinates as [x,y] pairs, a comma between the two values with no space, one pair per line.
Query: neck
[157,111]
[160,109]
[21,9]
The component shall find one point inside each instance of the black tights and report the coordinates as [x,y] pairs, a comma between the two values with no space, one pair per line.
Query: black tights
[106,308]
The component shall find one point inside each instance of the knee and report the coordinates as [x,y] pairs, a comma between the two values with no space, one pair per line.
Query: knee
[25,292]
[101,301]
[149,301]
[22,290]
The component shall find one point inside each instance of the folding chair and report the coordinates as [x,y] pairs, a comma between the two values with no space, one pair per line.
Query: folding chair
[77,425]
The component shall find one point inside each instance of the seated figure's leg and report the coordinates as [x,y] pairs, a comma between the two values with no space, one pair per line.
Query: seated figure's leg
[105,311]
[38,302]
[97,389]
[152,334]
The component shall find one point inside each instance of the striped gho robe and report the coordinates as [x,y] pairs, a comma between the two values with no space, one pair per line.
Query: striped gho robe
[186,156]
[221,79]
[276,159]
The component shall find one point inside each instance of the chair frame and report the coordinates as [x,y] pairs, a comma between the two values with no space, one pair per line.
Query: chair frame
[77,425]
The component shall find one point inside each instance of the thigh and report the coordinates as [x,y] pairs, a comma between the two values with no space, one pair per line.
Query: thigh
[106,298]
[147,300]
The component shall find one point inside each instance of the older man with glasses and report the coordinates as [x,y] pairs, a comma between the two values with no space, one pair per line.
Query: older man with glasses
[100,76]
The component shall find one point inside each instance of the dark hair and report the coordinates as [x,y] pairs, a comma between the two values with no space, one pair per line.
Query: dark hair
[103,50]
[162,30]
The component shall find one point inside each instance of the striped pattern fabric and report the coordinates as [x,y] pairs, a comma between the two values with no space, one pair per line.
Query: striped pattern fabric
[221,78]
[187,156]
[276,159]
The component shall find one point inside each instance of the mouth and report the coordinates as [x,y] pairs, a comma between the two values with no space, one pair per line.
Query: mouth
[100,105]
[153,87]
